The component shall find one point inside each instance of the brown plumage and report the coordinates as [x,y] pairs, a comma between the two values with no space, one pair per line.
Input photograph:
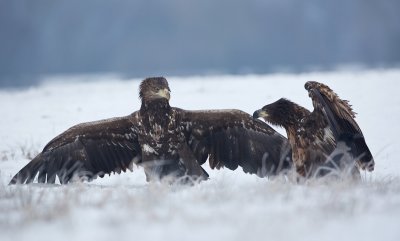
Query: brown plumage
[166,141]
[325,141]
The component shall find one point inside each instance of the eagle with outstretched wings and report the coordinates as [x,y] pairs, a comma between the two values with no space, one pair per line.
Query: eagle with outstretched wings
[325,141]
[164,140]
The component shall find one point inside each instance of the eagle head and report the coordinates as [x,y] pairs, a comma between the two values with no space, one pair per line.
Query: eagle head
[154,88]
[282,112]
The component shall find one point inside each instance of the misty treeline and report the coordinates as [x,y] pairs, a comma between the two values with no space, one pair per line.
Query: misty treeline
[179,37]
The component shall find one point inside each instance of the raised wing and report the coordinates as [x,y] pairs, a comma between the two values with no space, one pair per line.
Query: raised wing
[340,117]
[232,138]
[85,151]
[338,112]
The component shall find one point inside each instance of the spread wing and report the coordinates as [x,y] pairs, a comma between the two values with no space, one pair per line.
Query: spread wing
[85,151]
[232,138]
[340,117]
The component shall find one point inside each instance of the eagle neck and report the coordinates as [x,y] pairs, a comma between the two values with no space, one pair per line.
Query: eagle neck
[157,105]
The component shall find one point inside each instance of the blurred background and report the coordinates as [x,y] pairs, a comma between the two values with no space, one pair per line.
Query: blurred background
[190,37]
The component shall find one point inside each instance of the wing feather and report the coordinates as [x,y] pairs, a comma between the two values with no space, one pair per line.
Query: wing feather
[338,112]
[340,117]
[85,151]
[232,138]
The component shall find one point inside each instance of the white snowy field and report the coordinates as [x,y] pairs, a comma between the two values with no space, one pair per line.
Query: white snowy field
[231,205]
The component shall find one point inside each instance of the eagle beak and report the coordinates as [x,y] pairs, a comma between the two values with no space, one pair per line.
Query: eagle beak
[165,93]
[260,113]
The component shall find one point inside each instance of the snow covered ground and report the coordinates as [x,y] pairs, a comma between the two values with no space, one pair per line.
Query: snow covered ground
[231,205]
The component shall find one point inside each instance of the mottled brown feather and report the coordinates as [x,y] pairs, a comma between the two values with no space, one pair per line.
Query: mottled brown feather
[164,140]
[314,136]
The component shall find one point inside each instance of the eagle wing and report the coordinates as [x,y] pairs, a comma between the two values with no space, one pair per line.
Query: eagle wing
[340,117]
[338,112]
[232,138]
[85,151]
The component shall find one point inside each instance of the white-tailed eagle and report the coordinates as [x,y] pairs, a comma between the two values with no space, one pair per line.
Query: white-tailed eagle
[324,141]
[165,140]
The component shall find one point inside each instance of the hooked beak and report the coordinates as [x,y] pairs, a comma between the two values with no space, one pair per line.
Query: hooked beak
[260,113]
[165,93]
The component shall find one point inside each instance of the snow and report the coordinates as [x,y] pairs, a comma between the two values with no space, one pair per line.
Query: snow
[231,205]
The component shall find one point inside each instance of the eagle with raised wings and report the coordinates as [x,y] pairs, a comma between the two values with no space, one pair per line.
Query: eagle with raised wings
[325,141]
[164,140]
